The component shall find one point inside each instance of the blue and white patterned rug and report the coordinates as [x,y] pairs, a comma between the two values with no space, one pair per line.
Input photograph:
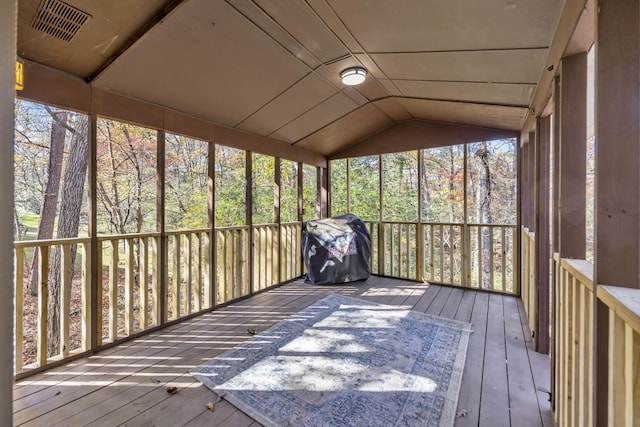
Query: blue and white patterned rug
[346,362]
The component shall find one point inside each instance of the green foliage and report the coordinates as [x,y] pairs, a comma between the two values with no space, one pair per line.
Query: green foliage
[400,186]
[491,185]
[31,155]
[230,186]
[288,191]
[186,180]
[338,191]
[442,184]
[309,192]
[263,170]
[364,192]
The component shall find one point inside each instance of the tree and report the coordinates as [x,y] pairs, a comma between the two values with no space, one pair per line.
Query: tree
[263,192]
[49,206]
[186,179]
[68,223]
[230,181]
[127,177]
[484,193]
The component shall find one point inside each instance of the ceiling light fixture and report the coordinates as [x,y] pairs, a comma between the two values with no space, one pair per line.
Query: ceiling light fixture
[353,76]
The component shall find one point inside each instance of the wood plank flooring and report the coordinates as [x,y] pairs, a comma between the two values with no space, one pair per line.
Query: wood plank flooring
[504,381]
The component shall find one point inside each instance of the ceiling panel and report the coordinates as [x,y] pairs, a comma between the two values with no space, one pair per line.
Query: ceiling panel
[490,116]
[500,66]
[350,128]
[303,96]
[421,26]
[316,118]
[101,35]
[393,109]
[204,61]
[303,24]
[488,93]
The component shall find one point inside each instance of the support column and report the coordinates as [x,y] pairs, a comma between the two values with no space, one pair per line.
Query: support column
[94,317]
[541,227]
[524,173]
[573,154]
[162,266]
[557,114]
[300,192]
[8,14]
[211,192]
[617,185]
[531,205]
[248,214]
[557,99]
[276,211]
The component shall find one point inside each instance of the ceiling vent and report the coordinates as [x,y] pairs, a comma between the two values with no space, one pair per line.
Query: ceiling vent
[58,19]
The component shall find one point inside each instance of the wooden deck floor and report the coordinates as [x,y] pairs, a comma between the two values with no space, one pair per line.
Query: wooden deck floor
[126,385]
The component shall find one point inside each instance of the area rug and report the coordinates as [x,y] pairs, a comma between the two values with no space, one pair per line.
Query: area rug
[346,362]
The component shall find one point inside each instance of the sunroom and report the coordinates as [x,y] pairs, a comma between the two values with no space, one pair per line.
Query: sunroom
[167,156]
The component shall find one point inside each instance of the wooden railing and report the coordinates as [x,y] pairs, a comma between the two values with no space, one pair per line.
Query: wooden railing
[147,279]
[266,256]
[82,320]
[624,354]
[290,251]
[188,272]
[131,286]
[232,263]
[574,350]
[138,287]
[528,282]
[470,255]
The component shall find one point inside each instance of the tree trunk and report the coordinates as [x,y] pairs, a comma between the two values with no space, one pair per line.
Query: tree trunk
[484,182]
[49,206]
[68,223]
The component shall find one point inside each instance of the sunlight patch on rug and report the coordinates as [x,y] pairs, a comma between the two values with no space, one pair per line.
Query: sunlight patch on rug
[346,362]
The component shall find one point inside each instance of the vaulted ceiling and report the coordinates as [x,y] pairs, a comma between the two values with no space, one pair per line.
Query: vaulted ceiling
[271,67]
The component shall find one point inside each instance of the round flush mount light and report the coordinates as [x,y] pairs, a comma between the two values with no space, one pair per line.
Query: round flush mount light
[353,76]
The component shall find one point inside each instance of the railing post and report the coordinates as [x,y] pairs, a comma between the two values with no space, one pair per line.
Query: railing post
[420,252]
[128,285]
[65,298]
[157,280]
[43,302]
[19,305]
[143,273]
[197,250]
[188,264]
[381,254]
[113,290]
[175,279]
[89,322]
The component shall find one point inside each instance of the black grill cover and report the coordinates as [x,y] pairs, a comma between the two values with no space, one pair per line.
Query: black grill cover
[336,250]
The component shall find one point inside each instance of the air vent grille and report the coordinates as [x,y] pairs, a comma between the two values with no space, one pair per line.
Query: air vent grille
[59,19]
